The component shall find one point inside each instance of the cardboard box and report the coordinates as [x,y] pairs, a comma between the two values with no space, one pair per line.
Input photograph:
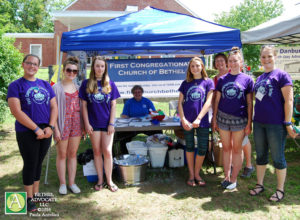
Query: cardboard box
[218,154]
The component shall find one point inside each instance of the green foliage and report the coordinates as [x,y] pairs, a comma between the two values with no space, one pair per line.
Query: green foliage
[211,73]
[248,14]
[10,69]
[28,15]
[296,84]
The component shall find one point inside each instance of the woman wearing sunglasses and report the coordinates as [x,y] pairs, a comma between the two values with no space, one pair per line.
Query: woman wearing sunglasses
[68,129]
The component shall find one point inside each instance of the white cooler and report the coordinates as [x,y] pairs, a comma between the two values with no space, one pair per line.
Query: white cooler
[176,158]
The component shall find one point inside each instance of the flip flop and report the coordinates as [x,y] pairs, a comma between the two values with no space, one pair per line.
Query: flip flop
[191,182]
[98,187]
[257,190]
[113,187]
[200,182]
[275,196]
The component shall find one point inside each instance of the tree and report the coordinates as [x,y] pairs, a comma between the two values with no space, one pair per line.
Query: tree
[10,69]
[28,15]
[248,14]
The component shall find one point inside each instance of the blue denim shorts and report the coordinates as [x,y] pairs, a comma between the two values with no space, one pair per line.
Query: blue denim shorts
[229,122]
[202,140]
[273,137]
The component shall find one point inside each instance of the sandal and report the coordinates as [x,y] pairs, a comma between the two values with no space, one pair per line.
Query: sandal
[191,182]
[275,196]
[98,187]
[113,187]
[257,190]
[200,182]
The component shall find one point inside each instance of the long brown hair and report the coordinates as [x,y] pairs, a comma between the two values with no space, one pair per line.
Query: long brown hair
[189,75]
[92,86]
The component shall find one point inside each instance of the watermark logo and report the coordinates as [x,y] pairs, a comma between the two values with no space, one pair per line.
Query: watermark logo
[15,203]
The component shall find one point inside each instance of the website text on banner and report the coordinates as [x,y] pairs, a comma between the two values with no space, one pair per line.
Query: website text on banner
[158,77]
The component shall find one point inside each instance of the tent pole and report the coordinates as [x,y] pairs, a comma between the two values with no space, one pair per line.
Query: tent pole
[244,68]
[59,65]
[49,151]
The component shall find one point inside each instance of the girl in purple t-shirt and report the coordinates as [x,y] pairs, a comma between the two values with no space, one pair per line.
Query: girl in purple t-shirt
[33,104]
[233,115]
[195,98]
[99,96]
[272,121]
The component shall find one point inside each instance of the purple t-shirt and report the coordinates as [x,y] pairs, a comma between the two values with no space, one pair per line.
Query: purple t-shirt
[195,94]
[34,98]
[270,109]
[234,90]
[99,105]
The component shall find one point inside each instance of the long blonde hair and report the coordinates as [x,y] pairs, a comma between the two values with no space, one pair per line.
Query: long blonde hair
[92,86]
[189,75]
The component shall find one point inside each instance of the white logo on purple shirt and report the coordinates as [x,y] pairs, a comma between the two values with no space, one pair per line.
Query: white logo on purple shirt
[264,87]
[37,95]
[232,90]
[98,98]
[195,93]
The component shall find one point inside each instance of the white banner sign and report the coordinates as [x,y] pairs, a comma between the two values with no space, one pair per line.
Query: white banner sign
[288,59]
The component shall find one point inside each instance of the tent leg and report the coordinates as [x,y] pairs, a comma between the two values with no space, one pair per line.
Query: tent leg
[47,166]
[59,66]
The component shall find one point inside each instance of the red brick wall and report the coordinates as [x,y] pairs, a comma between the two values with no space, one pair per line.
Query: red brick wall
[48,58]
[59,28]
[118,5]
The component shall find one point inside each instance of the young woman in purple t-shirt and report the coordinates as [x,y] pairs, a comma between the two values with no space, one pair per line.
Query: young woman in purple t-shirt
[233,115]
[33,104]
[99,96]
[272,121]
[220,63]
[195,98]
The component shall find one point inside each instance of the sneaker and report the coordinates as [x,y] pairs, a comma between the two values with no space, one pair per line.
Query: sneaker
[63,189]
[74,189]
[225,183]
[231,185]
[247,172]
[31,207]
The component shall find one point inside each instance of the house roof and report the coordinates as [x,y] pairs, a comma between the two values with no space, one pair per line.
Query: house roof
[29,35]
[74,19]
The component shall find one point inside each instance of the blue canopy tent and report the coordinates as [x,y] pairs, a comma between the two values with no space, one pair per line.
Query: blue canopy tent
[152,31]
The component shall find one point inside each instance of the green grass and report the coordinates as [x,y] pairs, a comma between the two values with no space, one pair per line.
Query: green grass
[43,74]
[164,194]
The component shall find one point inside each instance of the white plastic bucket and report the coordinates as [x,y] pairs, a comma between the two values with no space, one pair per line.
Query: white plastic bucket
[137,147]
[157,154]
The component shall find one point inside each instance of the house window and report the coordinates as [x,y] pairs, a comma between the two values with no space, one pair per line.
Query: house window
[36,49]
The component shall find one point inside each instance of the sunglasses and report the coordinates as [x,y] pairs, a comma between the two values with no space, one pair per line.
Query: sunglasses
[71,71]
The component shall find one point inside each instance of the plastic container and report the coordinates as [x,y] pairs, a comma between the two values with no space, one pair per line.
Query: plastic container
[137,147]
[157,153]
[176,158]
[92,178]
[90,172]
[131,174]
